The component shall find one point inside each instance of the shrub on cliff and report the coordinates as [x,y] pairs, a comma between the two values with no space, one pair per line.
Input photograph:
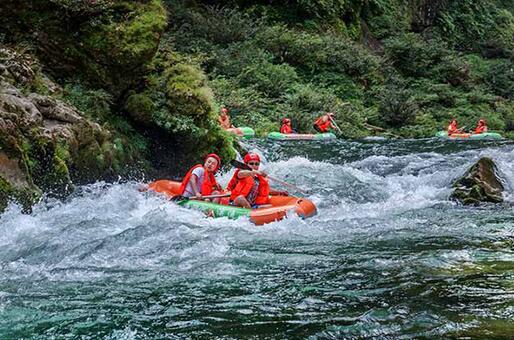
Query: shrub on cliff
[397,105]
[176,99]
[500,78]
[270,79]
[106,42]
[478,25]
[412,55]
[312,52]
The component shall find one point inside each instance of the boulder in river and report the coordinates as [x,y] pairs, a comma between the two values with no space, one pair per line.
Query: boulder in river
[480,183]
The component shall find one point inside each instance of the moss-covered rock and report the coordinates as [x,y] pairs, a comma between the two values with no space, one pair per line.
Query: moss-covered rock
[177,101]
[107,42]
[47,144]
[480,184]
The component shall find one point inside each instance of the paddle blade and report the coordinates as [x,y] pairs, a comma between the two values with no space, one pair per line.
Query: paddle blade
[240,165]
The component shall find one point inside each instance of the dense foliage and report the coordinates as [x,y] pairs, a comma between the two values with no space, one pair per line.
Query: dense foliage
[147,77]
[411,66]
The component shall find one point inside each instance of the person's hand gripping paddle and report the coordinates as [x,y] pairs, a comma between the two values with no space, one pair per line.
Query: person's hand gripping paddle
[241,165]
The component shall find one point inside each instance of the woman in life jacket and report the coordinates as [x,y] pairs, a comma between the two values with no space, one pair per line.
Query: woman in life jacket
[481,127]
[224,119]
[250,188]
[324,123]
[200,181]
[286,127]
[452,128]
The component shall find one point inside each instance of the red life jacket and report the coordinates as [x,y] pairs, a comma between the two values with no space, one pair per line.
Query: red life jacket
[323,126]
[245,185]
[233,181]
[286,129]
[208,185]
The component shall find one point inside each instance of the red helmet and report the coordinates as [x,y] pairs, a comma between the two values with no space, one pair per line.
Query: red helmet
[216,157]
[252,157]
[286,120]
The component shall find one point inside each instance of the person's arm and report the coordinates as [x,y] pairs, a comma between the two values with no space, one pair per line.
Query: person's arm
[194,184]
[247,187]
[249,173]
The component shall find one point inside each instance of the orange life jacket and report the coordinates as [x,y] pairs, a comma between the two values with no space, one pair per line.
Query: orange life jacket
[245,185]
[224,122]
[206,188]
[286,129]
[481,129]
[452,128]
[323,126]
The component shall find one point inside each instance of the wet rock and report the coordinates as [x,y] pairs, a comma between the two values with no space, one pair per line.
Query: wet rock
[481,183]
[44,141]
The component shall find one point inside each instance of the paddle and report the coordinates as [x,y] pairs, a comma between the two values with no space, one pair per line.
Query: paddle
[184,198]
[337,127]
[241,165]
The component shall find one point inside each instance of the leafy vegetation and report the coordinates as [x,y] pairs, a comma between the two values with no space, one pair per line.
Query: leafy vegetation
[265,61]
[154,73]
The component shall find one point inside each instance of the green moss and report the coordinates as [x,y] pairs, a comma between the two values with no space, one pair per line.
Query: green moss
[109,43]
[25,196]
[6,191]
[123,43]
[184,110]
[140,108]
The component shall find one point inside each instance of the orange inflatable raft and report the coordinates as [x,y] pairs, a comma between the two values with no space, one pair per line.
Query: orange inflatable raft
[277,209]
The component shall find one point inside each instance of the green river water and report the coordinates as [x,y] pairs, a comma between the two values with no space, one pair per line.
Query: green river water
[387,256]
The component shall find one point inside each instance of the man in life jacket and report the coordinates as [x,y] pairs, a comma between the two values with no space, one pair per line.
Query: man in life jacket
[452,128]
[224,119]
[250,188]
[200,181]
[481,127]
[324,123]
[286,127]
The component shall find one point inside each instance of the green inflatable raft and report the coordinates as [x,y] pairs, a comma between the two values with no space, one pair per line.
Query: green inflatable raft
[218,209]
[465,136]
[243,132]
[300,136]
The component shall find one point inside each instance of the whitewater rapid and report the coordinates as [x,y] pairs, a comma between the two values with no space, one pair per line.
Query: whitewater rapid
[387,255]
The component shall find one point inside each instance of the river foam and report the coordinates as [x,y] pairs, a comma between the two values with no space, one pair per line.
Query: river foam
[387,254]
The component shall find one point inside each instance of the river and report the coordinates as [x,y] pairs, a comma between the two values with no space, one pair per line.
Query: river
[387,255]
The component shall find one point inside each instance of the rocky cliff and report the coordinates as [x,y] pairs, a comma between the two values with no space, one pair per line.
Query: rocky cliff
[86,94]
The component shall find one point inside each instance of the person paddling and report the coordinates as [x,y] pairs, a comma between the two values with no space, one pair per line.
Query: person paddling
[250,188]
[452,128]
[286,127]
[481,127]
[324,123]
[224,119]
[200,181]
